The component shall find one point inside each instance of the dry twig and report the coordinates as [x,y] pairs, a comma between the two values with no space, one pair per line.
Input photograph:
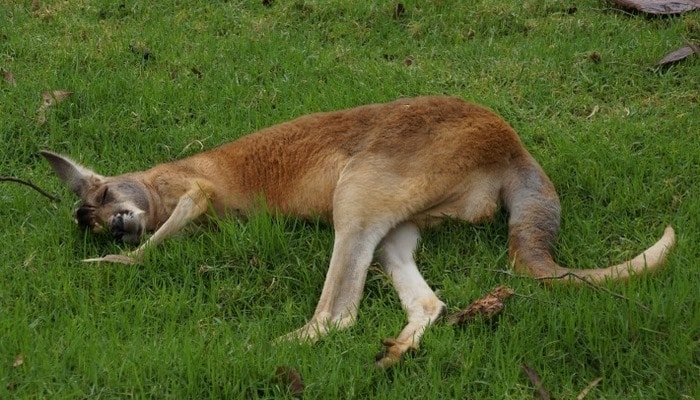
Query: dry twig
[536,380]
[570,275]
[588,388]
[31,185]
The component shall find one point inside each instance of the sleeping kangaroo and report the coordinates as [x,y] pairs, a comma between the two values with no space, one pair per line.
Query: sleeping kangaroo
[379,173]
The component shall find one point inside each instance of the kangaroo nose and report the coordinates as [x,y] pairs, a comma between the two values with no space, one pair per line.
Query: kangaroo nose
[117,226]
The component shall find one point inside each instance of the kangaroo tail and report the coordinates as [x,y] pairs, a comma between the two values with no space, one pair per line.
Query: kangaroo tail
[534,209]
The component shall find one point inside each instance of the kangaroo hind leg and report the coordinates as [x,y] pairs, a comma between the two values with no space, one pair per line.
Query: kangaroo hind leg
[345,280]
[422,306]
[358,231]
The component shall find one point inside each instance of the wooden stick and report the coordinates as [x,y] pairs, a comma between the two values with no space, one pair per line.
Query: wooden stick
[31,185]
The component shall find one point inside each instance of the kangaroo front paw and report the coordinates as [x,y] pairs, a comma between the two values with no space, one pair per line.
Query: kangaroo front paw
[115,258]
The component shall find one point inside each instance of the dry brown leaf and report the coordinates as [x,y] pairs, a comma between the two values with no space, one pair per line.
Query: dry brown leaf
[42,12]
[9,78]
[289,377]
[50,99]
[679,54]
[596,108]
[399,11]
[588,388]
[660,7]
[54,97]
[595,57]
[142,50]
[197,72]
[536,380]
[486,307]
[18,361]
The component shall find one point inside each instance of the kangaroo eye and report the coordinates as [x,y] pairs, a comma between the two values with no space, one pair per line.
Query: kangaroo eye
[103,198]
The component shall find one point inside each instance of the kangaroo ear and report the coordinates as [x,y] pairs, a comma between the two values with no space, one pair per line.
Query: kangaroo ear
[77,177]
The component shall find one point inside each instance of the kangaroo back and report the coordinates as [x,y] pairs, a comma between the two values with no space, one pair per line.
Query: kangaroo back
[534,220]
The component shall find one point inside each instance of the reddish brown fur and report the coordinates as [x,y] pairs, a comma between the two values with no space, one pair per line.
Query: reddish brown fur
[377,172]
[296,165]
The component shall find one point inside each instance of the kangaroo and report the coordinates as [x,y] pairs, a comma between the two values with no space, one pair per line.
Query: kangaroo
[379,173]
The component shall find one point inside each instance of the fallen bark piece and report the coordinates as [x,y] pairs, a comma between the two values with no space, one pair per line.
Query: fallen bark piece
[660,7]
[680,54]
[486,307]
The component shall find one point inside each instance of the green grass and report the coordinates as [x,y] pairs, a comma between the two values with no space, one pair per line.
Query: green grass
[198,319]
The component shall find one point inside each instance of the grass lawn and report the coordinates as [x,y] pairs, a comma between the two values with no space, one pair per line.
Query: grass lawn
[156,81]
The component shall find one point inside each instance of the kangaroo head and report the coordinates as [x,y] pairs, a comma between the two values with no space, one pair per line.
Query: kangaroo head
[118,205]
